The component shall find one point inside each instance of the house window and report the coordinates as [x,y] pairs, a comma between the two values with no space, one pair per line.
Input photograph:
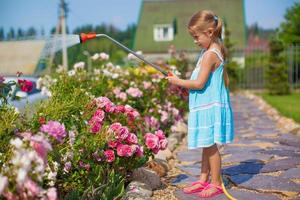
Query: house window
[163,32]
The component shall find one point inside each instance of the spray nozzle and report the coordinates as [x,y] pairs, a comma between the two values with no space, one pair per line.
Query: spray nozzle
[83,37]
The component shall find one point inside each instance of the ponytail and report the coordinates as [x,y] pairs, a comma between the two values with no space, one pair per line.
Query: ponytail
[218,35]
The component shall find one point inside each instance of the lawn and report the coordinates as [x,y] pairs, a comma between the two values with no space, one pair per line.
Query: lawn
[287,105]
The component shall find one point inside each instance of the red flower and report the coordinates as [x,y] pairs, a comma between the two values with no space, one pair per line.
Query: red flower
[19,73]
[42,120]
[25,85]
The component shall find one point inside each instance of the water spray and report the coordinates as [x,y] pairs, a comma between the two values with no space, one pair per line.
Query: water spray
[83,37]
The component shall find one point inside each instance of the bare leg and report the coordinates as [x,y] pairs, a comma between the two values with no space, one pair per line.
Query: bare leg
[204,172]
[215,168]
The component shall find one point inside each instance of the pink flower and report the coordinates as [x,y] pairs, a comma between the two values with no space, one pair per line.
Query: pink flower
[147,84]
[151,122]
[3,183]
[134,92]
[132,138]
[109,108]
[96,128]
[25,85]
[67,167]
[41,145]
[112,144]
[139,150]
[102,102]
[122,96]
[117,90]
[115,126]
[99,115]
[160,134]
[32,188]
[130,112]
[155,150]
[122,133]
[120,109]
[51,194]
[55,129]
[163,144]
[151,141]
[96,156]
[109,155]
[2,79]
[164,116]
[83,165]
[124,150]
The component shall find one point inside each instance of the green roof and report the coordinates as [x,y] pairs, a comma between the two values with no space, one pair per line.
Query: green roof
[155,12]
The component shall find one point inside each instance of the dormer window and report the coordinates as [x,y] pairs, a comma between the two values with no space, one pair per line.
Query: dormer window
[163,32]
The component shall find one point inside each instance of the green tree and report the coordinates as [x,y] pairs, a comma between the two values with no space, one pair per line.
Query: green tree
[289,31]
[11,34]
[31,31]
[231,65]
[277,77]
[2,36]
[20,33]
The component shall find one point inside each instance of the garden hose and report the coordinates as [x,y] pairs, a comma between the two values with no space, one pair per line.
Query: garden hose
[228,196]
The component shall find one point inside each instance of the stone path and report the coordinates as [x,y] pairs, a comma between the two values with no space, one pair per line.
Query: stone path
[262,163]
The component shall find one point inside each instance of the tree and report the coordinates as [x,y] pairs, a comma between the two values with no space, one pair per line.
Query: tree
[11,34]
[20,33]
[277,77]
[231,66]
[2,36]
[290,29]
[31,32]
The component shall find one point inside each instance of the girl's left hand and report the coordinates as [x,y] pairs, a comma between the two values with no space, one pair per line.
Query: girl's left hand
[173,79]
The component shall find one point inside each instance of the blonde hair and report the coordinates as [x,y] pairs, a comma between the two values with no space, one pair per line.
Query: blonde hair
[202,20]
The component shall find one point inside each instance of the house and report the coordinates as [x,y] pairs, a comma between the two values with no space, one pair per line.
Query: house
[163,23]
[22,56]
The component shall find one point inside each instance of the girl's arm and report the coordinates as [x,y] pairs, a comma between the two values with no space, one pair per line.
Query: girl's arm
[208,61]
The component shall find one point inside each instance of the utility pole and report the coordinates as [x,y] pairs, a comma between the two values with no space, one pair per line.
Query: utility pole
[63,32]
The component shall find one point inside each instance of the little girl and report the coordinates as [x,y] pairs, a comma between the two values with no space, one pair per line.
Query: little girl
[210,115]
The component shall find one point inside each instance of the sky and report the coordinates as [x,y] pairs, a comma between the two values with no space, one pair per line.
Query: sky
[121,13]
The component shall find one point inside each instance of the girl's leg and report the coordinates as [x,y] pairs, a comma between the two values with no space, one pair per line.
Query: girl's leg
[215,168]
[205,168]
[204,172]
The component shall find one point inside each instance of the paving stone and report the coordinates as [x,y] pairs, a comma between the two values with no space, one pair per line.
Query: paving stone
[283,164]
[243,168]
[193,170]
[261,130]
[194,155]
[291,173]
[235,149]
[263,182]
[284,147]
[241,178]
[183,179]
[280,152]
[290,140]
[245,156]
[236,193]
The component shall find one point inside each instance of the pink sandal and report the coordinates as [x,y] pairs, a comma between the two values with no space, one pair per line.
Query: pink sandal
[209,186]
[198,189]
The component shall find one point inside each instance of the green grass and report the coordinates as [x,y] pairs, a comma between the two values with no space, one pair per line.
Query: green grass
[287,105]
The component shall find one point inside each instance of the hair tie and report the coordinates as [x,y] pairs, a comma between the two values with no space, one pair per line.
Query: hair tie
[216,19]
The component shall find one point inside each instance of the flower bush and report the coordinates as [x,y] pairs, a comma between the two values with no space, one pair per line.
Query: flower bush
[92,132]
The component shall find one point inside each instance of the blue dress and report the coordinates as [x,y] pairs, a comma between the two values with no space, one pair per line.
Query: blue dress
[210,115]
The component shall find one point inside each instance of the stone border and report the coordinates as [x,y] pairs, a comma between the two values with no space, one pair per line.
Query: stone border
[285,124]
[145,180]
